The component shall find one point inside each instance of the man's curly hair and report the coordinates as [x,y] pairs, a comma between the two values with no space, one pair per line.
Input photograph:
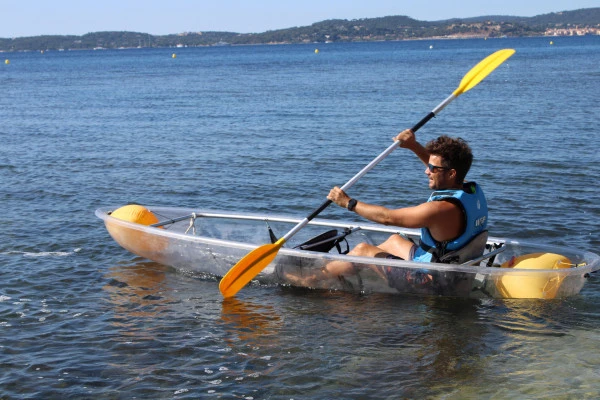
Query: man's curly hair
[455,153]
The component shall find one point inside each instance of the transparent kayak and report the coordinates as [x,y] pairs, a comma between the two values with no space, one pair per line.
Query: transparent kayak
[210,243]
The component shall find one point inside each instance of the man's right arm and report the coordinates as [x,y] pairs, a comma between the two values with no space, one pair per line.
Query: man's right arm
[408,140]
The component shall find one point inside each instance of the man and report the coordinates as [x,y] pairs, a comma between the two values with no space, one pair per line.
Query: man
[454,214]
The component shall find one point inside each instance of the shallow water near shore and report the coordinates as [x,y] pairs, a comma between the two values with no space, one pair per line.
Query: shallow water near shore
[272,129]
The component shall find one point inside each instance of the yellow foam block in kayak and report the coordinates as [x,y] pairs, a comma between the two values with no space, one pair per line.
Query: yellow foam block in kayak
[135,213]
[538,285]
[136,241]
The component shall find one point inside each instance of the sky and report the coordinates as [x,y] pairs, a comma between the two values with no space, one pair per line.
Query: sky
[20,18]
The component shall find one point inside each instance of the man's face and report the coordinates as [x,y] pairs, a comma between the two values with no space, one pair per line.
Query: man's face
[440,177]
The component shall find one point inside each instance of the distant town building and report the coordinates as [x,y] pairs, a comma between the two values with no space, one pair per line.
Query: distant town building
[572,31]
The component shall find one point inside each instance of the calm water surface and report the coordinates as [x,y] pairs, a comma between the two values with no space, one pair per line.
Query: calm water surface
[273,128]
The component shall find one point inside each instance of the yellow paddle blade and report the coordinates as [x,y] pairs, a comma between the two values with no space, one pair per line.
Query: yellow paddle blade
[482,69]
[248,267]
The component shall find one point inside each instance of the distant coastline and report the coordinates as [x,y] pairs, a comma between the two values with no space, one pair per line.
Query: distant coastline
[393,28]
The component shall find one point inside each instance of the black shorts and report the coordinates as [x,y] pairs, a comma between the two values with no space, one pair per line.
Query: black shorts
[389,256]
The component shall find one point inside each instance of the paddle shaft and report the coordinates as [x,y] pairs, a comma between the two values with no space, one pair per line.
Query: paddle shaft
[369,167]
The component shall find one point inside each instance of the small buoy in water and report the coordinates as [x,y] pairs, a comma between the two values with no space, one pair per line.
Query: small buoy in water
[551,42]
[173,55]
[431,46]
[41,51]
[7,61]
[316,51]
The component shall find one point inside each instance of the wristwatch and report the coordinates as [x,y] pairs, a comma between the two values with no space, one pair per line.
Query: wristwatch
[352,204]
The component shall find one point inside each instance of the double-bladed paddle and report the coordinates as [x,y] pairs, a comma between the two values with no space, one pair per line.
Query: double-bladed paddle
[255,261]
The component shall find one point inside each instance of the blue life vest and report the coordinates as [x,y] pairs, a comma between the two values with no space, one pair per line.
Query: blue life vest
[474,206]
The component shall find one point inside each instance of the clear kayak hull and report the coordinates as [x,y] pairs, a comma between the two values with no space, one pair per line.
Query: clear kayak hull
[210,242]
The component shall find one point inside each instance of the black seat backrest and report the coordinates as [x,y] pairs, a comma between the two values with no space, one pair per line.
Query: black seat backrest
[321,243]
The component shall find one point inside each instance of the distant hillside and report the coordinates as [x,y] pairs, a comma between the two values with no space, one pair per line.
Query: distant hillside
[577,22]
[585,17]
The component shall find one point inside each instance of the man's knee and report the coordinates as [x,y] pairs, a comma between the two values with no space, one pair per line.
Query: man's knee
[363,249]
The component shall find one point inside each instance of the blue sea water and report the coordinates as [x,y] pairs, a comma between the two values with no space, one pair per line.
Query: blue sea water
[272,129]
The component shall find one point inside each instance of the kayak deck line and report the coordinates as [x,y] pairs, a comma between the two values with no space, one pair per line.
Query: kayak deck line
[253,217]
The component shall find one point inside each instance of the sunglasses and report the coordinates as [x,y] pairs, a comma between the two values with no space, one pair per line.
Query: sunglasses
[435,168]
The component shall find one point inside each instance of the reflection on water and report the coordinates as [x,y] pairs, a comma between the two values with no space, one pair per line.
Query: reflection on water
[534,318]
[250,322]
[385,346]
[137,293]
[524,348]
[454,345]
[391,346]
